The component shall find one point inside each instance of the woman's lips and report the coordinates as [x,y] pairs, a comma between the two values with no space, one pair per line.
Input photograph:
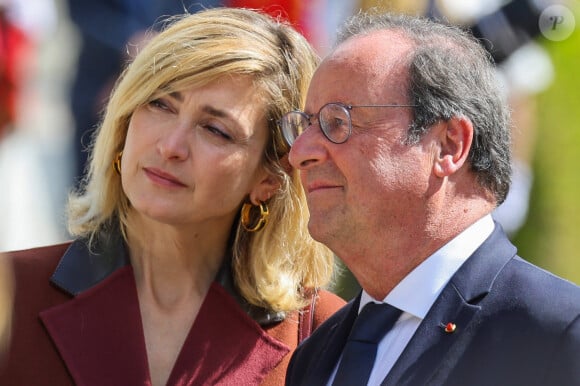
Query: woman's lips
[163,178]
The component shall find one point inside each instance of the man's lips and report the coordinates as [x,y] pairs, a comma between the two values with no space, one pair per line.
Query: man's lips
[320,186]
[163,178]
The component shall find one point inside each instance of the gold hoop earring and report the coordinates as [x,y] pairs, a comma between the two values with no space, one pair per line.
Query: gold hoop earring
[117,162]
[260,222]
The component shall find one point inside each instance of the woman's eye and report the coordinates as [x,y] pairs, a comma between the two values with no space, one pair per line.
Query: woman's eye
[217,131]
[159,104]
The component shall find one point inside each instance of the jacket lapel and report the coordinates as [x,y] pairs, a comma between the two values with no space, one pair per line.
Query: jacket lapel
[432,351]
[225,346]
[430,342]
[329,344]
[99,333]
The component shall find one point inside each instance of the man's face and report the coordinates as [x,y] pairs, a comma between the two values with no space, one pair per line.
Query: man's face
[373,185]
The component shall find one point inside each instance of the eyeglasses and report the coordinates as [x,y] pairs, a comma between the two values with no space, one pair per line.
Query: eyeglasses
[334,119]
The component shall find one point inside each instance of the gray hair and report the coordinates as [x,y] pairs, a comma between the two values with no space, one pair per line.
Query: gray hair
[451,75]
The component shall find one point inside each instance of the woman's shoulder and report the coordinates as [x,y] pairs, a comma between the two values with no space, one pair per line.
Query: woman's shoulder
[35,261]
[42,252]
[325,303]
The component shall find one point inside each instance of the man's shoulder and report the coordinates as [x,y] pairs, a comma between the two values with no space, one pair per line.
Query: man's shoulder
[533,289]
[541,280]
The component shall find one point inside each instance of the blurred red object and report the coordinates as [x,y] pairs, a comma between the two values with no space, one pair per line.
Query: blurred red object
[291,10]
[13,43]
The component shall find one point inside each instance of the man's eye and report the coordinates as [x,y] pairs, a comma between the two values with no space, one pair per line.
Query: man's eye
[337,122]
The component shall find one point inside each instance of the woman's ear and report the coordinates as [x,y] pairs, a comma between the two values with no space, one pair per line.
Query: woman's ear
[285,163]
[455,139]
[265,189]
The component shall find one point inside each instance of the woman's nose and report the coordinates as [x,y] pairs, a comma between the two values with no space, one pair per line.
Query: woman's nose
[175,144]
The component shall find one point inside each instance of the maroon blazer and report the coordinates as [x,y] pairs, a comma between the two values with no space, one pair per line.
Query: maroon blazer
[77,322]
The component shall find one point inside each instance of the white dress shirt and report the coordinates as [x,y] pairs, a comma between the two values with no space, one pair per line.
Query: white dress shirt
[417,292]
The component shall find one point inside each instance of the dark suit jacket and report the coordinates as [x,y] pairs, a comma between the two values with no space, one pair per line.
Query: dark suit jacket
[80,324]
[516,325]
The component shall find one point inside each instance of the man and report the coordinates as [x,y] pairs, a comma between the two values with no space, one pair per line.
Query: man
[404,151]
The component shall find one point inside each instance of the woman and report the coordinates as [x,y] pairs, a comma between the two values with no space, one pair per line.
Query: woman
[193,263]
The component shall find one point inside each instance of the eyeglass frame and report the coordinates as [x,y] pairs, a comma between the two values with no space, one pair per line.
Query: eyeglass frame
[308,117]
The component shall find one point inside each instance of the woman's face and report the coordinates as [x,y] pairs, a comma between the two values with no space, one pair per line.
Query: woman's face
[193,156]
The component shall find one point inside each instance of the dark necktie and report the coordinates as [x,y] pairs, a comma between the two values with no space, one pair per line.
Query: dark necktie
[358,356]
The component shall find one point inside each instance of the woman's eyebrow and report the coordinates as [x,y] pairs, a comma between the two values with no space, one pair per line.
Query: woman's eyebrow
[176,95]
[217,112]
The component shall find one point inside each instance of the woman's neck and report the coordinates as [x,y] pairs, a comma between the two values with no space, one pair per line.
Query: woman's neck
[174,268]
[172,263]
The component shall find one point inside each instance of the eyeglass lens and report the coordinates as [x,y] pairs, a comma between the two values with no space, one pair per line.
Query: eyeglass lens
[293,124]
[334,120]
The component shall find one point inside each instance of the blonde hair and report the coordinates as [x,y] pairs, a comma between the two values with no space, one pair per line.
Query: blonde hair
[276,267]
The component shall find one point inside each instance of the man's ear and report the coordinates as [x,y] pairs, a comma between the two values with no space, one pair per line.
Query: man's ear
[455,138]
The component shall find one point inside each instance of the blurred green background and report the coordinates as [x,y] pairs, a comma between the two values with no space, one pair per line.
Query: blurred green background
[550,237]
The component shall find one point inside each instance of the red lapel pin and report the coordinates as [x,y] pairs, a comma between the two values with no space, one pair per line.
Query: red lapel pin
[449,327]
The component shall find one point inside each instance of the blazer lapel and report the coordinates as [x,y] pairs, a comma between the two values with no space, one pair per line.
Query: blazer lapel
[99,333]
[225,346]
[430,342]
[428,354]
[329,344]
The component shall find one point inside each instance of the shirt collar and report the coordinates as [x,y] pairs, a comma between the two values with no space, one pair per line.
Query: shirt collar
[417,292]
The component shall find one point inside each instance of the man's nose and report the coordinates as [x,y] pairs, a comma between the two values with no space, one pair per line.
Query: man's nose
[309,147]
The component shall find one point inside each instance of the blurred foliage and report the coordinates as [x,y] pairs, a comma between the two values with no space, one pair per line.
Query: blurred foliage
[550,237]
